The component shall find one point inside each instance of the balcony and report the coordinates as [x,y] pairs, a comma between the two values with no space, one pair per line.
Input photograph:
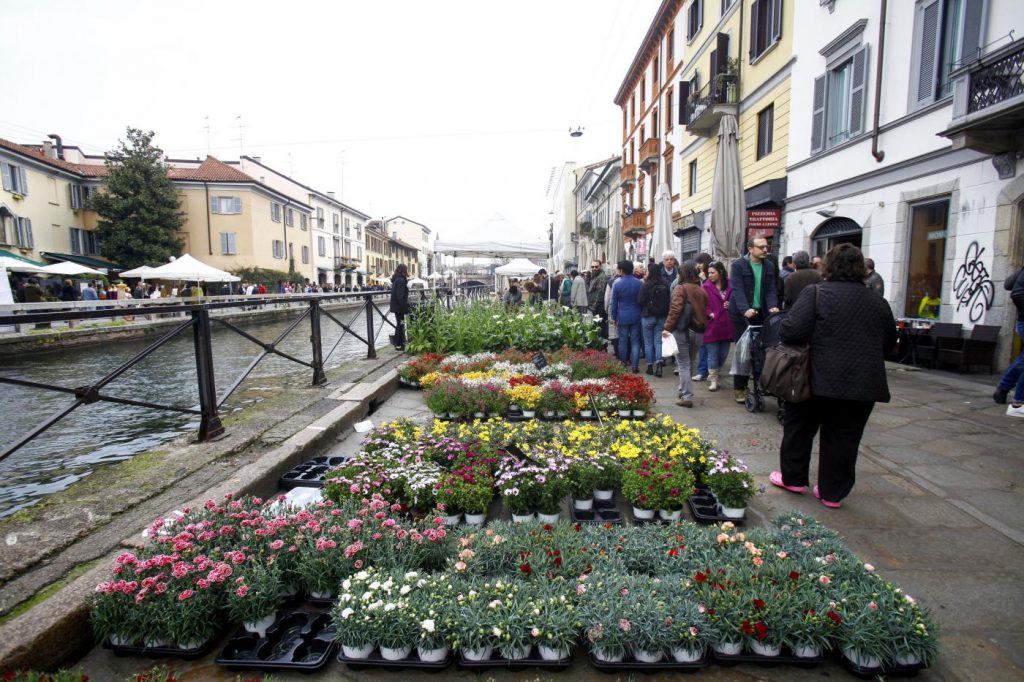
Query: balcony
[649,152]
[627,176]
[345,263]
[635,224]
[585,225]
[600,235]
[704,108]
[988,103]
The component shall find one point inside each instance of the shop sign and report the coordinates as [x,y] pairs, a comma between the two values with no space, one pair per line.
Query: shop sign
[764,218]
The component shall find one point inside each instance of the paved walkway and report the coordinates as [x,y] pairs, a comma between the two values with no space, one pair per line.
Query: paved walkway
[937,508]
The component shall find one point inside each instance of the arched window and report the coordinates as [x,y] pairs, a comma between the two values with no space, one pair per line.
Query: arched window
[835,231]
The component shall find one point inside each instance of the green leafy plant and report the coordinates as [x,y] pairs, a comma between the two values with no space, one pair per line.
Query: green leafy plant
[730,480]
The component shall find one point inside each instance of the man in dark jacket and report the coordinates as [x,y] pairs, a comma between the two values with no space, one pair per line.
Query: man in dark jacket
[753,298]
[1014,373]
[802,276]
[399,303]
[874,280]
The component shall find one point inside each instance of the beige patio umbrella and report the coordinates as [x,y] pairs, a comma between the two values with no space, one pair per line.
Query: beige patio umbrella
[727,195]
[615,247]
[661,238]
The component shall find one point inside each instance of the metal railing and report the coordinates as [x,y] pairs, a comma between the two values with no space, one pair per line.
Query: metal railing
[720,90]
[199,316]
[999,77]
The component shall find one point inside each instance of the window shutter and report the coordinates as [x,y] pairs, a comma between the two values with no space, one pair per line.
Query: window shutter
[700,14]
[27,222]
[858,90]
[236,204]
[972,31]
[223,243]
[24,180]
[214,205]
[754,14]
[928,59]
[722,48]
[776,27]
[231,242]
[818,115]
[714,64]
[684,96]
[5,170]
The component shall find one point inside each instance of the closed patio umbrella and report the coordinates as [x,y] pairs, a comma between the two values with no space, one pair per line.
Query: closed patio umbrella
[727,195]
[661,239]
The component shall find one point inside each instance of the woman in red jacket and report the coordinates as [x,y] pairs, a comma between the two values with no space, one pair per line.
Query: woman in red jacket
[718,334]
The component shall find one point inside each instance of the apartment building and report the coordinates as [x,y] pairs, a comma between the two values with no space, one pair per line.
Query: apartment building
[418,235]
[911,149]
[598,207]
[563,216]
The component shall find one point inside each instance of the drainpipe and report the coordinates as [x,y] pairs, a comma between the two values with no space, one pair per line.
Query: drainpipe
[875,151]
[209,230]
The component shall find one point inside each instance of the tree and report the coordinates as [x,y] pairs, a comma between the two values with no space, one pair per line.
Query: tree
[139,213]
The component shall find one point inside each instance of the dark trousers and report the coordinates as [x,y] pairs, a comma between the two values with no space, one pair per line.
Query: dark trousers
[842,425]
[400,329]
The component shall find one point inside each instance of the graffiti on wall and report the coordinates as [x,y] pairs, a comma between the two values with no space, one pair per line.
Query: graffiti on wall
[972,286]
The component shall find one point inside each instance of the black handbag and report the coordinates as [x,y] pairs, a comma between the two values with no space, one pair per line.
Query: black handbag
[787,369]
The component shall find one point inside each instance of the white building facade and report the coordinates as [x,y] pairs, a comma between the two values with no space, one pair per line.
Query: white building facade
[563,217]
[929,184]
[418,235]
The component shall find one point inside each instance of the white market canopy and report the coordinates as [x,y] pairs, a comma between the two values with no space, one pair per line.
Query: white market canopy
[435,275]
[417,282]
[519,266]
[484,249]
[136,272]
[188,269]
[15,265]
[70,269]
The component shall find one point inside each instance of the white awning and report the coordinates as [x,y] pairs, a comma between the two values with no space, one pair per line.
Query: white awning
[188,269]
[493,249]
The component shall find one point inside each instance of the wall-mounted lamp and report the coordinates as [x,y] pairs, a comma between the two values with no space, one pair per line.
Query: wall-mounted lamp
[829,211]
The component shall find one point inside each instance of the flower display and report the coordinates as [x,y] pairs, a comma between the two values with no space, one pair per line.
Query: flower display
[729,479]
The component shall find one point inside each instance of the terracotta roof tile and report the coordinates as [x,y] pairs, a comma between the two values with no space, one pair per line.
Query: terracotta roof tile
[39,155]
[211,170]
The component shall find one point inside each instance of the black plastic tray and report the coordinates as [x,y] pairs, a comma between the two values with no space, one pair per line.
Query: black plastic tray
[784,658]
[405,383]
[412,662]
[667,664]
[886,669]
[161,651]
[534,660]
[323,603]
[298,640]
[597,515]
[310,474]
[704,509]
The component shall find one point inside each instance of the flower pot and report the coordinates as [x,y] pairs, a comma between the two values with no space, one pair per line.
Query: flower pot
[481,654]
[529,414]
[583,505]
[121,640]
[551,654]
[625,414]
[602,413]
[683,654]
[639,414]
[907,659]
[644,514]
[727,648]
[493,415]
[519,653]
[647,656]
[548,518]
[523,518]
[670,514]
[323,595]
[806,651]
[762,649]
[586,414]
[732,512]
[259,626]
[548,414]
[862,660]
[479,415]
[514,408]
[475,519]
[453,415]
[363,651]
[452,519]
[159,642]
[395,654]
[561,415]
[432,655]
[604,657]
[604,494]
[191,646]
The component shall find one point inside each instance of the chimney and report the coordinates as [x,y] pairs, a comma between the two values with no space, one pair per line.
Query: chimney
[258,159]
[48,150]
[60,144]
[330,194]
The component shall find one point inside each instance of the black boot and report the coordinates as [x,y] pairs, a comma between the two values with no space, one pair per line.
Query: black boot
[650,369]
[657,369]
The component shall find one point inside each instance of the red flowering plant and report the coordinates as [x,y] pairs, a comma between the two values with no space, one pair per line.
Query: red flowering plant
[630,391]
[255,592]
[413,370]
[524,380]
[556,397]
[447,396]
[765,614]
[466,489]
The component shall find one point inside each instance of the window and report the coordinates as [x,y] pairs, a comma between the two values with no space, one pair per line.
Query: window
[319,217]
[52,183]
[15,180]
[928,224]
[337,248]
[84,242]
[289,217]
[227,244]
[23,233]
[668,112]
[304,221]
[358,228]
[726,4]
[671,47]
[632,110]
[839,102]
[226,205]
[8,221]
[694,19]
[765,26]
[654,71]
[337,221]
[643,95]
[693,177]
[278,247]
[668,176]
[321,246]
[359,253]
[765,131]
[946,33]
[75,195]
[275,213]
[87,194]
[305,254]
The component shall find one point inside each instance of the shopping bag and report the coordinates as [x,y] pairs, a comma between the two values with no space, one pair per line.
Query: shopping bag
[742,354]
[669,346]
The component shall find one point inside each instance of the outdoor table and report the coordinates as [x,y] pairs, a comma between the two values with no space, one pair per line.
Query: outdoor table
[911,330]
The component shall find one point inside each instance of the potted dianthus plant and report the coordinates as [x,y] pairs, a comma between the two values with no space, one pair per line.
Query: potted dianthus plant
[432,612]
[467,490]
[609,476]
[583,477]
[256,594]
[353,625]
[674,483]
[555,620]
[691,629]
[732,484]
[640,488]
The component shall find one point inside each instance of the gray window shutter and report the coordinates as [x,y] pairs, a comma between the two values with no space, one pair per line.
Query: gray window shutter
[700,14]
[928,16]
[24,180]
[236,204]
[27,229]
[818,115]
[972,31]
[858,90]
[5,170]
[754,14]
[214,205]
[776,22]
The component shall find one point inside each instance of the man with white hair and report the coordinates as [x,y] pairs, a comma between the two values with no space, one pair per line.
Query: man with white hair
[669,267]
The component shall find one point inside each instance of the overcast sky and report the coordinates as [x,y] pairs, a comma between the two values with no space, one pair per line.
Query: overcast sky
[449,113]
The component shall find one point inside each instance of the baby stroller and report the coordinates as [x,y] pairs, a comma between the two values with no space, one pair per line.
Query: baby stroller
[766,336]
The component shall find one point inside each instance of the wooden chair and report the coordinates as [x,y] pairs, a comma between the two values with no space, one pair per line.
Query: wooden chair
[977,349]
[942,335]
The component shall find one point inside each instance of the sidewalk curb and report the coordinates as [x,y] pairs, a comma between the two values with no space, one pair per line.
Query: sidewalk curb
[57,629]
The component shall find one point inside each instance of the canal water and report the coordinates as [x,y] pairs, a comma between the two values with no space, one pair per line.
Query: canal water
[104,433]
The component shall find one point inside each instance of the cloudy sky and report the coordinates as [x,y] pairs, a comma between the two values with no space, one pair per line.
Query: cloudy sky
[449,113]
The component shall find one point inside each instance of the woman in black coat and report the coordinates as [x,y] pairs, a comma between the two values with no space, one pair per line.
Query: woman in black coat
[400,303]
[851,330]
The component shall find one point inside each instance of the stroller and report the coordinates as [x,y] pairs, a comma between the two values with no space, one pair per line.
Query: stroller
[763,337]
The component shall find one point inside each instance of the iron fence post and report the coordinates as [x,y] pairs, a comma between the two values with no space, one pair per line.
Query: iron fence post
[209,424]
[318,349]
[371,350]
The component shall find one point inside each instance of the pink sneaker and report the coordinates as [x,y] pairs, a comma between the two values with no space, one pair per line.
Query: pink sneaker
[830,505]
[776,479]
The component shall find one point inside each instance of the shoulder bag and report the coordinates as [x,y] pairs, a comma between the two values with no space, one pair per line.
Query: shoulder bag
[787,369]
